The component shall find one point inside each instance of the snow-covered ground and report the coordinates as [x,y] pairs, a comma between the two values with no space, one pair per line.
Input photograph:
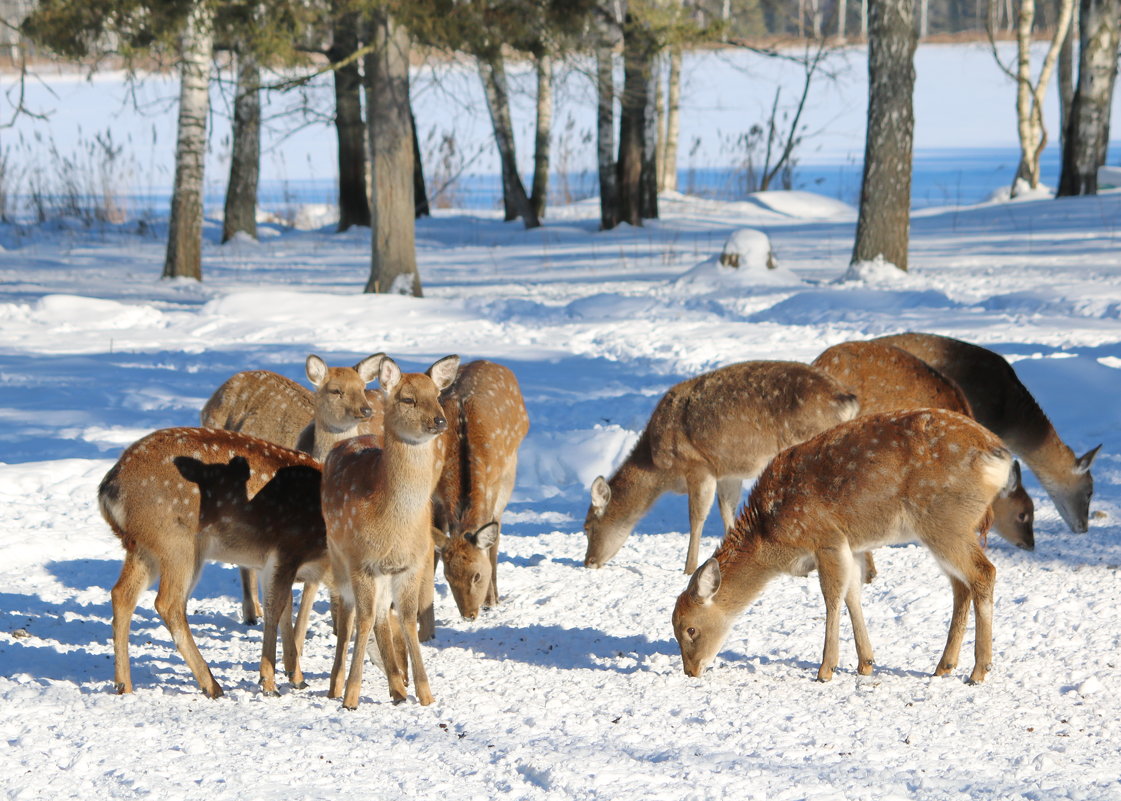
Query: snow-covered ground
[573,687]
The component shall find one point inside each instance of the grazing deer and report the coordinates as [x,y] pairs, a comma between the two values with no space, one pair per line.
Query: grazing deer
[267,405]
[1002,404]
[487,422]
[885,378]
[928,474]
[377,505]
[707,435]
[179,498]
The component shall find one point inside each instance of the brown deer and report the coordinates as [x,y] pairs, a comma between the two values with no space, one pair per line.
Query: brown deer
[179,498]
[707,435]
[1002,404]
[267,405]
[887,379]
[377,505]
[487,422]
[928,474]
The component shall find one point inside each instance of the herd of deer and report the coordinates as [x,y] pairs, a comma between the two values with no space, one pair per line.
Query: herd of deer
[902,438]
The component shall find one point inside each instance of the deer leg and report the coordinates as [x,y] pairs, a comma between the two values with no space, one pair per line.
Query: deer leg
[426,596]
[303,619]
[278,601]
[344,625]
[864,660]
[250,606]
[958,621]
[412,642]
[492,591]
[171,603]
[982,590]
[834,566]
[702,490]
[364,587]
[388,633]
[728,492]
[134,579]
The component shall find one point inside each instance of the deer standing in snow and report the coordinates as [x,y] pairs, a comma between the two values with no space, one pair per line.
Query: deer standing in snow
[377,505]
[264,404]
[179,498]
[487,422]
[707,435]
[928,474]
[885,378]
[1002,404]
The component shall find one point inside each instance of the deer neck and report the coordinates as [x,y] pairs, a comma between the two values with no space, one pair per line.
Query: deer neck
[634,488]
[743,576]
[328,436]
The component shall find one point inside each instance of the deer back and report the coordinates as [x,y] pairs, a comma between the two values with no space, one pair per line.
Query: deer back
[737,417]
[152,507]
[262,404]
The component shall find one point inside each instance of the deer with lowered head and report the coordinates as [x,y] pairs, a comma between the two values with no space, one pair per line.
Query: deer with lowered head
[925,474]
[487,422]
[264,404]
[377,505]
[1002,404]
[181,497]
[707,435]
[885,378]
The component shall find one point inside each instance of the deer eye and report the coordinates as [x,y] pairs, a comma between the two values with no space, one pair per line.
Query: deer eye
[692,632]
[336,391]
[408,401]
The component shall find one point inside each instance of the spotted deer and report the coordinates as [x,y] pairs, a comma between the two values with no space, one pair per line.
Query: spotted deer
[267,405]
[926,474]
[377,505]
[887,379]
[487,422]
[181,497]
[707,435]
[1002,404]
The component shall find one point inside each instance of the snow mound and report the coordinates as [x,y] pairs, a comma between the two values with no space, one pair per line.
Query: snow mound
[1020,192]
[804,205]
[748,249]
[71,313]
[746,261]
[878,271]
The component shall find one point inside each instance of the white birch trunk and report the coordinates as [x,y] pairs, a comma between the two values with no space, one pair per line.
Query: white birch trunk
[673,121]
[184,239]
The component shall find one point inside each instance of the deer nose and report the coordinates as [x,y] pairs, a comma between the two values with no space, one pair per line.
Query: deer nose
[439,423]
[365,412]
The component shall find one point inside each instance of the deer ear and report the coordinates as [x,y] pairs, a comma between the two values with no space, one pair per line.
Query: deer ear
[190,469]
[705,582]
[484,537]
[389,374]
[367,369]
[601,495]
[1015,480]
[1082,465]
[316,370]
[444,371]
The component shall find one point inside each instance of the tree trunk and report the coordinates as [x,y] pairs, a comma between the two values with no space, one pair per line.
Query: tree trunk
[492,71]
[842,13]
[245,161]
[184,237]
[650,143]
[659,97]
[1029,99]
[885,196]
[354,203]
[673,121]
[1087,135]
[638,53]
[1066,76]
[540,193]
[605,138]
[420,192]
[393,213]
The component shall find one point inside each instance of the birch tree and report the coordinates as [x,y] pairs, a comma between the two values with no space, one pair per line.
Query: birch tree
[543,69]
[1087,133]
[1030,127]
[883,228]
[393,266]
[350,131]
[184,239]
[241,192]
